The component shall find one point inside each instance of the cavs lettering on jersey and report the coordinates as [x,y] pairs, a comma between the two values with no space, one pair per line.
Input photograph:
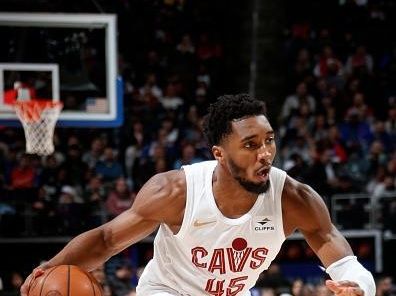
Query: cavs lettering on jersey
[213,254]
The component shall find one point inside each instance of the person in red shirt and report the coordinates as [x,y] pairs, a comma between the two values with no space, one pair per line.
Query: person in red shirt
[23,176]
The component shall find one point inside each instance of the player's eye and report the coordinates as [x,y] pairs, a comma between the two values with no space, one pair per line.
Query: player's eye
[250,145]
[269,140]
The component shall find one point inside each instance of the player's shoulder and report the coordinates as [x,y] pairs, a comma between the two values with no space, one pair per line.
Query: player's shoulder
[301,204]
[296,193]
[170,183]
[162,197]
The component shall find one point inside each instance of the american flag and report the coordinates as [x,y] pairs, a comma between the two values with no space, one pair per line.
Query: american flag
[97,105]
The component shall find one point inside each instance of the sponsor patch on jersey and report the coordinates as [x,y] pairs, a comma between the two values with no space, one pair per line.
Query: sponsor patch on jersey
[263,224]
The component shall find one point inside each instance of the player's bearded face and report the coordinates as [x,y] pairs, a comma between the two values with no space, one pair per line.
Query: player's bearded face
[255,187]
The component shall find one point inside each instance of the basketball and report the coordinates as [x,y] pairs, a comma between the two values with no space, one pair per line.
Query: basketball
[65,280]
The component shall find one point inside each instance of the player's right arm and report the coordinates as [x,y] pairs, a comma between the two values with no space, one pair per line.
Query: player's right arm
[161,200]
[305,210]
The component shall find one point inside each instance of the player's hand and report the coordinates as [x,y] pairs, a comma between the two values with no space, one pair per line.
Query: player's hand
[344,288]
[29,280]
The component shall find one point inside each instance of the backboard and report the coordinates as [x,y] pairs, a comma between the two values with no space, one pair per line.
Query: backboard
[62,57]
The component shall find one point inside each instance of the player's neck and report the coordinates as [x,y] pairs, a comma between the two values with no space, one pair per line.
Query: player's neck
[231,198]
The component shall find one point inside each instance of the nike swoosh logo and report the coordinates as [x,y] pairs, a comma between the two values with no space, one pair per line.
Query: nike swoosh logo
[197,223]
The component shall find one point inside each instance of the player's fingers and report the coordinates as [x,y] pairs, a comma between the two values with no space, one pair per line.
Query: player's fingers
[25,286]
[38,272]
[347,284]
[343,289]
[351,291]
[333,286]
[24,290]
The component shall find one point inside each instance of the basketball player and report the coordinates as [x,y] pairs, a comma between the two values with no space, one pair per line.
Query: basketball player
[221,222]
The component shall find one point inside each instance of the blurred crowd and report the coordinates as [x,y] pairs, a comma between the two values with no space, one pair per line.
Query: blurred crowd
[336,129]
[337,125]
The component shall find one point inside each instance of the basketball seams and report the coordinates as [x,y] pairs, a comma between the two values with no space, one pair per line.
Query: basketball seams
[68,281]
[92,284]
[46,276]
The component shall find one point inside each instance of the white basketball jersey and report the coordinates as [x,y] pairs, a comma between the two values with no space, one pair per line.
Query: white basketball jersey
[213,254]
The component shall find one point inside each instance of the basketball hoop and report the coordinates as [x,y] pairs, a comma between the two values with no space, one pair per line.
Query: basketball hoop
[38,118]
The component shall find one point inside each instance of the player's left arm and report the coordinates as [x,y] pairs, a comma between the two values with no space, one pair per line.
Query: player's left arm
[305,210]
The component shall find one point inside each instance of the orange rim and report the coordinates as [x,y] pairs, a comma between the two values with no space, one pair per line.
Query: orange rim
[30,111]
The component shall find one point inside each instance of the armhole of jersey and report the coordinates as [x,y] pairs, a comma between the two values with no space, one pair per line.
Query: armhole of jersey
[278,202]
[189,203]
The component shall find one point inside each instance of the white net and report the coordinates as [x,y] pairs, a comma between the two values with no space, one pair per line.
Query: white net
[39,124]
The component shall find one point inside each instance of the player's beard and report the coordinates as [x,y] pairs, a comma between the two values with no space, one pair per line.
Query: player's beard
[250,186]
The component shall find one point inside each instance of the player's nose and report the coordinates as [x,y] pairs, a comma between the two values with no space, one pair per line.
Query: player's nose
[264,155]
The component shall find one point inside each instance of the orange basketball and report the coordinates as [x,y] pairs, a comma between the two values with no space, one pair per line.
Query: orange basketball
[65,280]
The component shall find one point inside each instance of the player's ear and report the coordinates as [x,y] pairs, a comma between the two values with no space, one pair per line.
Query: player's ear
[217,153]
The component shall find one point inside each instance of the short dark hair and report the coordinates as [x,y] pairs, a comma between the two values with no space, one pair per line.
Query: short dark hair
[217,123]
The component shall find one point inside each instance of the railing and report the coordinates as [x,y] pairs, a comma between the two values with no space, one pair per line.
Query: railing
[349,204]
[362,209]
[21,221]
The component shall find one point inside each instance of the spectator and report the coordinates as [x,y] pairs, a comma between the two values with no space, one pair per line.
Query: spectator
[328,64]
[293,101]
[70,206]
[203,76]
[74,167]
[186,45]
[308,290]
[386,187]
[146,165]
[134,149]
[296,167]
[385,286]
[322,174]
[171,132]
[171,100]
[360,108]
[100,275]
[303,66]
[109,169]
[375,158]
[274,279]
[381,134]
[44,216]
[355,132]
[121,281]
[94,196]
[360,62]
[92,156]
[120,199]
[336,145]
[49,174]
[390,124]
[151,87]
[23,182]
[355,169]
[322,290]
[188,156]
[207,49]
[23,176]
[297,287]
[15,282]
